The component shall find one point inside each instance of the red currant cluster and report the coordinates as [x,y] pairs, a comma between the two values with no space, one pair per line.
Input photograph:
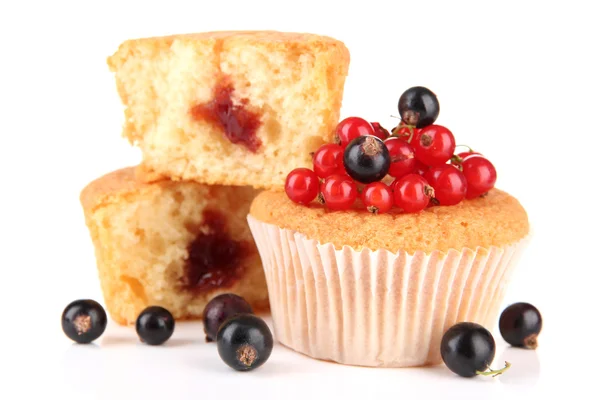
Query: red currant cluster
[413,167]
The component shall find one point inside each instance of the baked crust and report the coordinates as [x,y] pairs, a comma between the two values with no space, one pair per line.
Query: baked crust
[497,219]
[294,81]
[142,233]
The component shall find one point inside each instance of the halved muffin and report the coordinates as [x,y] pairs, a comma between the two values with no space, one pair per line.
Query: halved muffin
[230,108]
[172,244]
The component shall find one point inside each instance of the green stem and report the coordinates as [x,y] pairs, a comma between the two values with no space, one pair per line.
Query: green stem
[464,145]
[495,373]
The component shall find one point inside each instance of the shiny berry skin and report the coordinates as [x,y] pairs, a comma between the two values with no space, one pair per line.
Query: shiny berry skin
[379,131]
[221,308]
[367,159]
[520,325]
[377,197]
[449,184]
[418,106]
[329,160]
[405,132]
[352,127]
[244,342]
[84,321]
[421,168]
[402,157]
[434,145]
[339,192]
[155,325]
[480,174]
[468,349]
[302,185]
[412,193]
[460,157]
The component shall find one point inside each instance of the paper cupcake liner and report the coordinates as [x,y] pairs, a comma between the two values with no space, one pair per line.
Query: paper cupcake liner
[376,308]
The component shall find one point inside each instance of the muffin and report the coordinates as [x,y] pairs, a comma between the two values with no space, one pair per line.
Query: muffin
[232,107]
[171,244]
[371,255]
[380,290]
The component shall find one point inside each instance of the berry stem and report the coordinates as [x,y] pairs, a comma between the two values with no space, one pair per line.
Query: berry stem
[411,129]
[496,372]
[468,147]
[456,159]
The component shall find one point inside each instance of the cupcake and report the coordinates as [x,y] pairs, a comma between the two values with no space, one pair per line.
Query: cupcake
[368,268]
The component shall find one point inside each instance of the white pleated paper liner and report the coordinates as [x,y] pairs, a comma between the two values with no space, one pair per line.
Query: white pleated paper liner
[377,308]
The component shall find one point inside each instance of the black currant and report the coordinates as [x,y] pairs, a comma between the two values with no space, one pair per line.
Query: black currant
[155,325]
[244,342]
[367,159]
[418,106]
[520,325]
[468,349]
[221,308]
[84,321]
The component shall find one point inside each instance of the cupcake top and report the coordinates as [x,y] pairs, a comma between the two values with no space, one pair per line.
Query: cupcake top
[496,219]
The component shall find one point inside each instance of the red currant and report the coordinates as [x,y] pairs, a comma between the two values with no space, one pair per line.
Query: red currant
[302,185]
[380,131]
[420,168]
[412,193]
[480,174]
[339,192]
[351,128]
[449,184]
[402,156]
[405,132]
[460,157]
[378,197]
[434,145]
[329,160]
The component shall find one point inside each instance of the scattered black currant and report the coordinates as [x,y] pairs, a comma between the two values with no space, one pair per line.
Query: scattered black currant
[84,321]
[468,349]
[367,159]
[244,342]
[418,106]
[520,325]
[155,325]
[221,308]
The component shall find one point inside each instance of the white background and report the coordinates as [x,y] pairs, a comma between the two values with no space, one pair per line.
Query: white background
[517,80]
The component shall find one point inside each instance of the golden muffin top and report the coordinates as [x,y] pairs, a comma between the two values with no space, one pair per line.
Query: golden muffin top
[497,219]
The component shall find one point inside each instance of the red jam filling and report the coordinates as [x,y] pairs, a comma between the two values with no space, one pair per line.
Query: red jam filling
[214,258]
[237,121]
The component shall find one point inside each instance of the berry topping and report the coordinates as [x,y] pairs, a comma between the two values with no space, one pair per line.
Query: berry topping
[339,192]
[155,325]
[244,342]
[84,321]
[377,197]
[351,128]
[302,185]
[480,174]
[221,308]
[421,168]
[402,157]
[329,160]
[367,159]
[449,184]
[412,193]
[520,325]
[418,106]
[468,349]
[434,145]
[380,131]
[234,118]
[214,258]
